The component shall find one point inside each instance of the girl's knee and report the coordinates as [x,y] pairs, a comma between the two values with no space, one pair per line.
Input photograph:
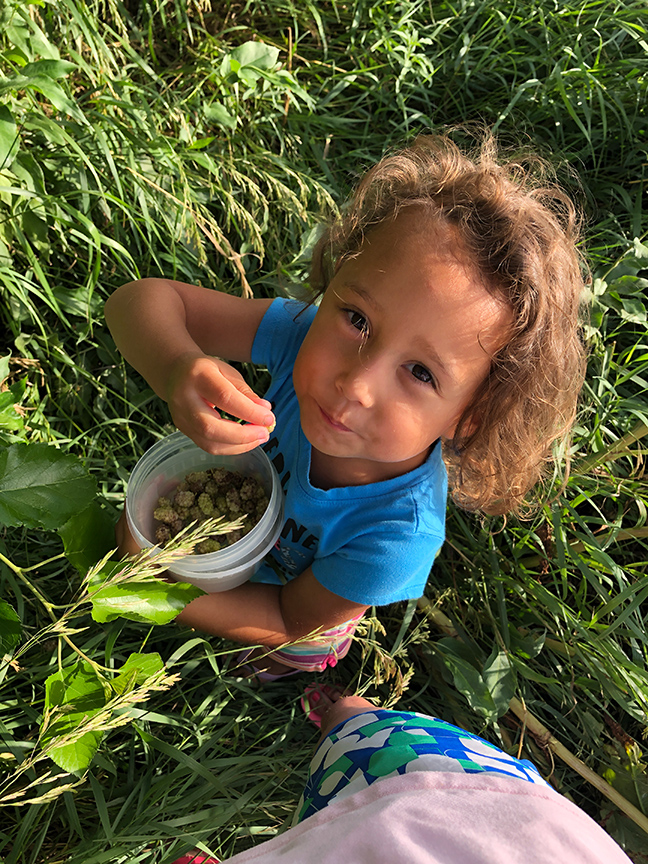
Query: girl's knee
[126,543]
[343,709]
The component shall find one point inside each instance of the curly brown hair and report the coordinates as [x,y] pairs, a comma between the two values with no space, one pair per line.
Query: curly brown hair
[520,234]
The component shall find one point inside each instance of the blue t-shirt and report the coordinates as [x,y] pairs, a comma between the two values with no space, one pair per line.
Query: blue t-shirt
[371,544]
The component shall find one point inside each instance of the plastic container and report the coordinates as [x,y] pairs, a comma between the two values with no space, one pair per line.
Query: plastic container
[168,462]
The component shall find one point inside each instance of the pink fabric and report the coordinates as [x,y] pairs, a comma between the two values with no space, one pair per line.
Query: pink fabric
[316,655]
[439,818]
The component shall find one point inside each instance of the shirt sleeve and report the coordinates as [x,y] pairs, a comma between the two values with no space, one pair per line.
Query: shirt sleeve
[280,334]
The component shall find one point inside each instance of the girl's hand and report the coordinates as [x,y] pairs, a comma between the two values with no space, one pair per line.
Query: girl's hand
[198,387]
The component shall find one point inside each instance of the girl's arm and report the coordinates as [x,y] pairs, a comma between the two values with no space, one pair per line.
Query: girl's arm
[270,615]
[173,333]
[260,614]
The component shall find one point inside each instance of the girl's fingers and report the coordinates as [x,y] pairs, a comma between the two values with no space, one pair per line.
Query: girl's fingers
[216,448]
[219,436]
[202,388]
[237,399]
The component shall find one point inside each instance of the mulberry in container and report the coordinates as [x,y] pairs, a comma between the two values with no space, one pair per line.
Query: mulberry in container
[162,468]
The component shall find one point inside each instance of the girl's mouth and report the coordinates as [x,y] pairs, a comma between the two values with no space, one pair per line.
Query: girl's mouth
[340,427]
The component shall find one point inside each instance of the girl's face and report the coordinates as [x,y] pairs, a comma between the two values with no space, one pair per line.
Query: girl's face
[402,338]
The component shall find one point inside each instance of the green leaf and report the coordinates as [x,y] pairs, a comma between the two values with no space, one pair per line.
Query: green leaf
[528,646]
[137,669]
[40,487]
[499,677]
[153,601]
[201,143]
[88,536]
[10,628]
[256,54]
[36,230]
[9,417]
[75,695]
[4,366]
[50,68]
[467,680]
[9,140]
[48,87]
[217,113]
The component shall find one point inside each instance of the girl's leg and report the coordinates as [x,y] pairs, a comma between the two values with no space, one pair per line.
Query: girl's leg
[260,664]
[332,707]
[126,543]
[362,745]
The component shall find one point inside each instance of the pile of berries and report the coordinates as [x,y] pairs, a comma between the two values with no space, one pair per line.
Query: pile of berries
[211,494]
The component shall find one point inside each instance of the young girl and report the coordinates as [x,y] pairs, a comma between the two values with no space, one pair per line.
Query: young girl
[446,332]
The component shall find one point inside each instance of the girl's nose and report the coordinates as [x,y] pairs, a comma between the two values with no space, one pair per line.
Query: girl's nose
[359,379]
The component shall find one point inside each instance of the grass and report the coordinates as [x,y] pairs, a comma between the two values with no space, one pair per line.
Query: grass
[155,153]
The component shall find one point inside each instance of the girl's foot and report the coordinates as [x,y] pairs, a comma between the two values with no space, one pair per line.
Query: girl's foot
[327,705]
[196,857]
[318,700]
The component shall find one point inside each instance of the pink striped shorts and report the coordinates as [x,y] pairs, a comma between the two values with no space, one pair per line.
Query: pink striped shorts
[318,654]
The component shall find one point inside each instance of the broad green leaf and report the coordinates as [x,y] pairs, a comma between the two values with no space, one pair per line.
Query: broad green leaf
[250,75]
[256,54]
[88,536]
[201,143]
[640,249]
[40,487]
[9,140]
[81,301]
[217,113]
[10,628]
[137,669]
[528,646]
[9,417]
[32,41]
[499,677]
[45,85]
[467,680]
[249,60]
[51,68]
[153,601]
[36,230]
[79,694]
[4,366]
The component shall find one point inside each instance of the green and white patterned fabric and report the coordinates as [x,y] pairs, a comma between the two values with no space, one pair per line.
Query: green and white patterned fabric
[381,743]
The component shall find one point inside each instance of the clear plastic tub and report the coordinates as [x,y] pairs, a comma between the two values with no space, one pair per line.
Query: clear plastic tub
[168,462]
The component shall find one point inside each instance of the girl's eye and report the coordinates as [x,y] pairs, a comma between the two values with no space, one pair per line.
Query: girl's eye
[422,374]
[358,321]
